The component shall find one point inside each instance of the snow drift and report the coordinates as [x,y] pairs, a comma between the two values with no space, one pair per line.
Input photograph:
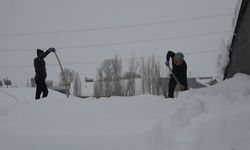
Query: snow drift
[216,117]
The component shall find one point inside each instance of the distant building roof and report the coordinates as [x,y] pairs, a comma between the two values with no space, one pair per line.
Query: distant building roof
[192,84]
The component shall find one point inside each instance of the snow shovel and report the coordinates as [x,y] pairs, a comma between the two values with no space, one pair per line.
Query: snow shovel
[64,77]
[179,86]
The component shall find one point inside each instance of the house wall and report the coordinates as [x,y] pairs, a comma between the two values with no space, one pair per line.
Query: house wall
[240,48]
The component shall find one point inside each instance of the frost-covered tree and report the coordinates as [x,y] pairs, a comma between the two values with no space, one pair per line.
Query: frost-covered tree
[77,85]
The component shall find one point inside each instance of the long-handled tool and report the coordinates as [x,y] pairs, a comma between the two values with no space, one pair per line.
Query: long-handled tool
[64,77]
[179,86]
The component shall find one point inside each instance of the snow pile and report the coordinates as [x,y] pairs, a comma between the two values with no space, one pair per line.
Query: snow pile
[216,117]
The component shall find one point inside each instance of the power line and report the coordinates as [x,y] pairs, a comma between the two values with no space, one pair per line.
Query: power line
[126,42]
[93,62]
[116,27]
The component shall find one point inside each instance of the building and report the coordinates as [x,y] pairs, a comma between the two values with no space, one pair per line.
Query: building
[192,84]
[6,83]
[240,47]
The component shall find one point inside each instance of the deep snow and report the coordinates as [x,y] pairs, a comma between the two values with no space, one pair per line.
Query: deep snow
[213,118]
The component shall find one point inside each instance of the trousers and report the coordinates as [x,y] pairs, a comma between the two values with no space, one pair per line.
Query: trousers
[41,88]
[171,86]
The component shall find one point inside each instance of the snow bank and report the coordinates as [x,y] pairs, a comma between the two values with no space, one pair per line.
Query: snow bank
[216,117]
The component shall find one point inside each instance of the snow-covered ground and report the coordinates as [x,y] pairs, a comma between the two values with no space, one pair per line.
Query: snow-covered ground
[213,118]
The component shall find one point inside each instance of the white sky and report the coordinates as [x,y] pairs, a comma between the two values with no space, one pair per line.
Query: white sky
[17,50]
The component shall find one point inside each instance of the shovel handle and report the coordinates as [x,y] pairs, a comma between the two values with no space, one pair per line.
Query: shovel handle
[178,82]
[63,74]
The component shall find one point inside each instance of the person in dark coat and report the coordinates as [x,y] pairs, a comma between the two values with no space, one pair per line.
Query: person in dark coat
[40,69]
[179,70]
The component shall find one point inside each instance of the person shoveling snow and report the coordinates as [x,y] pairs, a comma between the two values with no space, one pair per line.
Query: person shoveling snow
[41,74]
[178,77]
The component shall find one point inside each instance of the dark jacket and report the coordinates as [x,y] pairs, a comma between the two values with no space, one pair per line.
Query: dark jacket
[39,65]
[180,71]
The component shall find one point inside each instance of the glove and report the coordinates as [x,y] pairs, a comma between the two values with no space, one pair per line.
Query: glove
[167,63]
[182,87]
[52,49]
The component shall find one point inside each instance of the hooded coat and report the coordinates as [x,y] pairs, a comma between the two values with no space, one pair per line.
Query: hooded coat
[40,65]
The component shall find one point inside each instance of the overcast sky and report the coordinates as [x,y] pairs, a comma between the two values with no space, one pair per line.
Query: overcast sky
[86,32]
